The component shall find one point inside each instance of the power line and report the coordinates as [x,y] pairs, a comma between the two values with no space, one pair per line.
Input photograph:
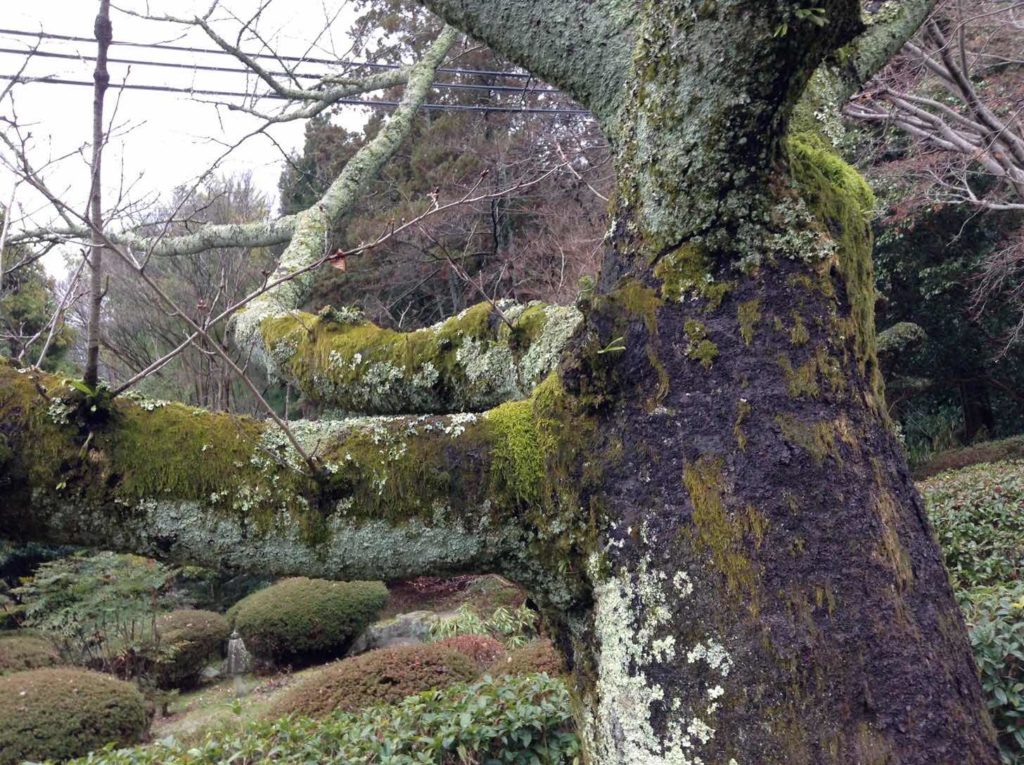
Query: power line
[342,101]
[235,70]
[298,59]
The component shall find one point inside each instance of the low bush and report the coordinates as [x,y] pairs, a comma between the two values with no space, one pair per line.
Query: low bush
[303,620]
[538,656]
[185,641]
[482,650]
[21,650]
[62,712]
[978,515]
[517,721]
[995,618]
[377,677]
[976,454]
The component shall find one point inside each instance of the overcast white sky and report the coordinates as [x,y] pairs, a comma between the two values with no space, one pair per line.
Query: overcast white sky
[169,143]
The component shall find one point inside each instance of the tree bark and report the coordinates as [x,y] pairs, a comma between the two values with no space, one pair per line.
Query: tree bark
[104,35]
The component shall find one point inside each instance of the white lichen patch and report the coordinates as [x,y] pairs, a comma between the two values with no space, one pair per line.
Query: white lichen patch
[633,622]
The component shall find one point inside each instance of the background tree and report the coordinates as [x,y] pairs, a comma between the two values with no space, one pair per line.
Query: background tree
[940,137]
[534,243]
[136,335]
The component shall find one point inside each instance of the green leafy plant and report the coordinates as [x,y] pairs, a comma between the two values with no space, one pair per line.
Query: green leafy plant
[995,617]
[513,627]
[302,620]
[978,518]
[816,16]
[64,712]
[378,677]
[99,608]
[514,721]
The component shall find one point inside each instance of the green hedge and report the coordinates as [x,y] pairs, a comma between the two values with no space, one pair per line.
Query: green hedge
[304,620]
[63,712]
[978,515]
[185,642]
[378,677]
[517,720]
[23,650]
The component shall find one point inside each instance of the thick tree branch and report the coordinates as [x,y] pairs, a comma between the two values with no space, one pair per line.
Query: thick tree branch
[582,46]
[400,496]
[255,234]
[469,363]
[889,24]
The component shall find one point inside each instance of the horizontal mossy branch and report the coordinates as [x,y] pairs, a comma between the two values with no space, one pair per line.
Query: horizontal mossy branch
[468,363]
[399,496]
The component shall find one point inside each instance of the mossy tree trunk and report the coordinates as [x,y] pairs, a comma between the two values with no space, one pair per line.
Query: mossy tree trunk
[707,500]
[763,583]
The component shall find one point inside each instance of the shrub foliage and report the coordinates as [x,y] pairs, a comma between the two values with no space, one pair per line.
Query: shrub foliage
[518,721]
[996,620]
[978,515]
[538,656]
[378,677]
[482,650]
[22,650]
[302,620]
[185,640]
[63,712]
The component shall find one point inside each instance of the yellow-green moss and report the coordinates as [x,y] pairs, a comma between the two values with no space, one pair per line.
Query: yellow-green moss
[819,439]
[841,200]
[748,314]
[686,272]
[799,335]
[700,348]
[804,381]
[722,534]
[518,464]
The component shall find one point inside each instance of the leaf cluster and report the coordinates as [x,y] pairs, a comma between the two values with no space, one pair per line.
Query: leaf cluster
[513,721]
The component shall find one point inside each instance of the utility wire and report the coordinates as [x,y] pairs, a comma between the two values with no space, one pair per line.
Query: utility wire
[299,59]
[236,70]
[343,101]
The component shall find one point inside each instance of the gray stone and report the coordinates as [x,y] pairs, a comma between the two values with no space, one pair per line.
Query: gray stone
[405,629]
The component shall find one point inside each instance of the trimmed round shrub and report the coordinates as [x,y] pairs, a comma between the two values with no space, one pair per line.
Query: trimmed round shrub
[185,642]
[482,650]
[378,677]
[535,657]
[61,712]
[24,650]
[304,620]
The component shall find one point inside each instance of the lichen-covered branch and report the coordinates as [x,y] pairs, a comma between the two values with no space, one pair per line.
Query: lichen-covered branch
[208,237]
[398,497]
[889,24]
[583,46]
[309,238]
[469,363]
